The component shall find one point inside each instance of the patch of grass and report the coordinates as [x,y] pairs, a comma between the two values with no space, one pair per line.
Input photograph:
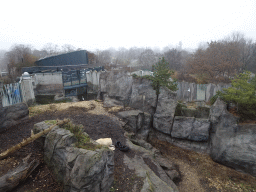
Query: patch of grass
[246,187]
[83,140]
[51,122]
[33,111]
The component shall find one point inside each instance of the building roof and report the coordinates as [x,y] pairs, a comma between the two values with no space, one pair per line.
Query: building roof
[72,58]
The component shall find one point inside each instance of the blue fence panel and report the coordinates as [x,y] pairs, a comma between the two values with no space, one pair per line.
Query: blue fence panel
[11,94]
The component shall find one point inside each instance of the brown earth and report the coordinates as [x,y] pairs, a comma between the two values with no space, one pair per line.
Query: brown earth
[198,171]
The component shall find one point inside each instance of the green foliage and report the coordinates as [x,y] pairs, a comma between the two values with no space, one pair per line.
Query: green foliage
[135,75]
[214,98]
[243,94]
[253,82]
[83,140]
[162,76]
[51,122]
[178,110]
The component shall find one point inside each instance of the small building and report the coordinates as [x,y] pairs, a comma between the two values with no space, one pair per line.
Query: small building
[64,74]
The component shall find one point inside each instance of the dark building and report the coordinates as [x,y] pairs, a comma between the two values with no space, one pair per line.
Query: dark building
[73,58]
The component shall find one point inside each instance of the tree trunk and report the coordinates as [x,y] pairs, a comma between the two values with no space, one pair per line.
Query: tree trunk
[30,139]
[17,175]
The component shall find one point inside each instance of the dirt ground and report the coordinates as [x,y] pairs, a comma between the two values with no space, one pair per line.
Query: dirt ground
[198,171]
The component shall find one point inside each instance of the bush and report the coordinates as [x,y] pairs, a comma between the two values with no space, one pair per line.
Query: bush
[242,93]
[83,140]
[178,110]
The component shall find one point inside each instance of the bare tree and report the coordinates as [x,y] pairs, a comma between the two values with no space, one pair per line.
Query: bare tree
[103,57]
[51,49]
[68,48]
[174,58]
[147,59]
[3,65]
[219,62]
[19,56]
[245,47]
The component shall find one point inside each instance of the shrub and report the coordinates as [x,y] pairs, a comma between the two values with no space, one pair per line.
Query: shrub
[242,93]
[83,140]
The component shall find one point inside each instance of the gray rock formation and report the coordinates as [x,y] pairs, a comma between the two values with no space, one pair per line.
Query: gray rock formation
[38,127]
[137,122]
[199,112]
[202,147]
[79,170]
[143,96]
[215,112]
[191,128]
[164,115]
[231,144]
[115,84]
[108,102]
[12,115]
[157,180]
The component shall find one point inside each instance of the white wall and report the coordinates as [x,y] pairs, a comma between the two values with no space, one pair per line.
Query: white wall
[27,90]
[93,77]
[48,78]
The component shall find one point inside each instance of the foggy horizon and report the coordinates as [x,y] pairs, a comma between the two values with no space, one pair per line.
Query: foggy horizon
[100,24]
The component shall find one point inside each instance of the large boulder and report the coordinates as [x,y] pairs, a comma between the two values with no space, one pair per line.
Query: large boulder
[215,112]
[80,170]
[117,84]
[136,121]
[191,128]
[143,96]
[231,144]
[12,115]
[165,111]
[157,173]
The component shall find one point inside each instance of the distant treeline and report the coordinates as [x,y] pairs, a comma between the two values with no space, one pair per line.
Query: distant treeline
[212,62]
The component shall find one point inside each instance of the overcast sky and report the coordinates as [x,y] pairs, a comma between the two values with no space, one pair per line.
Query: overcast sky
[94,24]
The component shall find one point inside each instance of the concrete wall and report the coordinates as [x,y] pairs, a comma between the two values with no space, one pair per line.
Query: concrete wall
[48,83]
[142,73]
[48,78]
[93,77]
[196,92]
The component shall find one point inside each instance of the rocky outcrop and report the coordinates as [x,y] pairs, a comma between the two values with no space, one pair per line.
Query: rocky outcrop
[215,112]
[164,171]
[137,122]
[108,102]
[78,169]
[164,115]
[12,115]
[201,147]
[191,128]
[216,132]
[143,96]
[115,84]
[232,144]
[199,112]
